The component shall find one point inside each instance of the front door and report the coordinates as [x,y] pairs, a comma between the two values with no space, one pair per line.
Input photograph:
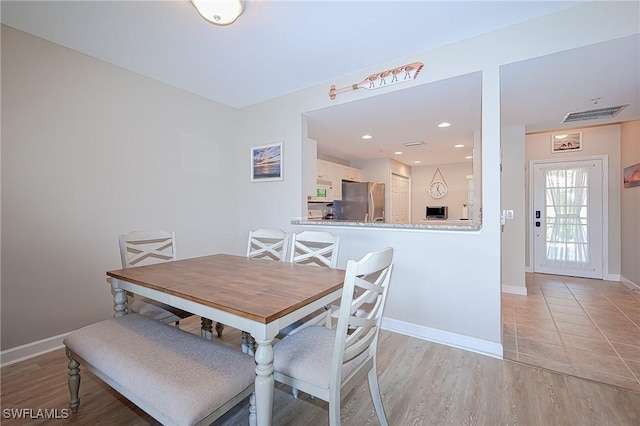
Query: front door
[568,217]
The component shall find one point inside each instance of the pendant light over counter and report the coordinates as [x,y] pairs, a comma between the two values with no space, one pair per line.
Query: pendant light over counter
[219,12]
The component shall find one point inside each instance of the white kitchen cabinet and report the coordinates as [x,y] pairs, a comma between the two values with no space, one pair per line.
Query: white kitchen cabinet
[352,174]
[326,171]
[336,180]
[323,170]
[356,174]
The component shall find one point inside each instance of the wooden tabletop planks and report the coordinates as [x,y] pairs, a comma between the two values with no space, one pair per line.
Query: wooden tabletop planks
[259,289]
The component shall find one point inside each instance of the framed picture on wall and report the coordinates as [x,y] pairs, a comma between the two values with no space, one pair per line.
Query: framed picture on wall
[631,176]
[564,142]
[266,162]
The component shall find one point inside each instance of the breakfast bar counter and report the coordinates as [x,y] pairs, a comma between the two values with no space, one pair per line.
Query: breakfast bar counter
[426,225]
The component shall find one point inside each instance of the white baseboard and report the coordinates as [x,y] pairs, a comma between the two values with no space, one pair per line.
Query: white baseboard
[611,277]
[629,283]
[514,289]
[30,350]
[472,344]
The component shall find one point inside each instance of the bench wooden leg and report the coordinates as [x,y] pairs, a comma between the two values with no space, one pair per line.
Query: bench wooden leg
[74,383]
[219,328]
[206,327]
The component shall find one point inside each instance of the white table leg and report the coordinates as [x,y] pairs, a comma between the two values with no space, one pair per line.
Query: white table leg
[119,300]
[264,382]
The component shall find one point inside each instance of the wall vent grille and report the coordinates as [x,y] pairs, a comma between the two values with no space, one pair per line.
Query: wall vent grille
[593,114]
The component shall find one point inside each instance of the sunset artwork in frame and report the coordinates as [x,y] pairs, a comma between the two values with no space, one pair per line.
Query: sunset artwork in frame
[566,142]
[266,163]
[631,176]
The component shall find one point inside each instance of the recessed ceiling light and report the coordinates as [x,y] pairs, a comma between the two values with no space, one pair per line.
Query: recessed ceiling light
[459,146]
[417,162]
[468,157]
[398,153]
[367,137]
[444,124]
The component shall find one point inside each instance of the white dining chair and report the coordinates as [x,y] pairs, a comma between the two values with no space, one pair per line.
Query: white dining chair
[325,362]
[267,244]
[317,248]
[140,248]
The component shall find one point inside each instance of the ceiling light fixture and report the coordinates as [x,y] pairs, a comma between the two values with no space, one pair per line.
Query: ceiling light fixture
[398,153]
[417,162]
[459,146]
[219,12]
[367,137]
[444,124]
[468,157]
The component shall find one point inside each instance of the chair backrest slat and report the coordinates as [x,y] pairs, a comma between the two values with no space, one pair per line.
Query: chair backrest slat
[315,248]
[267,244]
[139,248]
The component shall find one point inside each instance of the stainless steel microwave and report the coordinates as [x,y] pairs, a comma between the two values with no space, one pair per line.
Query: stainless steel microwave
[437,212]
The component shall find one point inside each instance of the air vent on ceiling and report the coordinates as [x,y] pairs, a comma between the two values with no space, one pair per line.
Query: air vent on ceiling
[416,143]
[593,114]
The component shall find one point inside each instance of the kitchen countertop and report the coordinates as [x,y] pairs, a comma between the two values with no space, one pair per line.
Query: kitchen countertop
[436,225]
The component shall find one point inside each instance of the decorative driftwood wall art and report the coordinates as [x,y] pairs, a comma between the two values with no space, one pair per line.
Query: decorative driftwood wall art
[382,79]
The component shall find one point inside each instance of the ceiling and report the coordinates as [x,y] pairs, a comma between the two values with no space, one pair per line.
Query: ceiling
[279,47]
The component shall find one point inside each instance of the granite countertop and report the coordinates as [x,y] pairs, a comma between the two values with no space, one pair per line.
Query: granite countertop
[436,225]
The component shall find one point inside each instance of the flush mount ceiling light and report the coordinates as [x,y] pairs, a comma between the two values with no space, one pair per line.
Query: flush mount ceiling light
[444,124]
[593,114]
[416,143]
[219,12]
[366,136]
[398,153]
[459,146]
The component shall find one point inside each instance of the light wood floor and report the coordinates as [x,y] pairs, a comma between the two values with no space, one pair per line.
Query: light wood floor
[422,383]
[584,327]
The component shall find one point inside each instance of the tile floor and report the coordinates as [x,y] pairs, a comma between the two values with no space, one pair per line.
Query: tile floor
[584,327]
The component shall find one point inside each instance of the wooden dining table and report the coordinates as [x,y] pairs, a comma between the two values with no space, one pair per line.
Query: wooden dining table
[257,296]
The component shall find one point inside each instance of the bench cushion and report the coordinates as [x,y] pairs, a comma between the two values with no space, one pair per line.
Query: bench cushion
[176,373]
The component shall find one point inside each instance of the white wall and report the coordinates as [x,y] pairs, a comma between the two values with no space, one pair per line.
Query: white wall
[603,140]
[455,176]
[630,204]
[90,151]
[513,198]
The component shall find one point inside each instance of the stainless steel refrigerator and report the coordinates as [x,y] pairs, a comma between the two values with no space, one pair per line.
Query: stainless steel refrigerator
[361,202]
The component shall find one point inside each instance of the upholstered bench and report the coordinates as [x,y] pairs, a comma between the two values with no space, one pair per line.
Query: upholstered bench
[176,377]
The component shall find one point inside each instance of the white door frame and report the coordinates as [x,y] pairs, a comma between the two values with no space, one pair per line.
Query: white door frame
[605,206]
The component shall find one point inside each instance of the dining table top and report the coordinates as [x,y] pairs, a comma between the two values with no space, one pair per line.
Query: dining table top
[261,290]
